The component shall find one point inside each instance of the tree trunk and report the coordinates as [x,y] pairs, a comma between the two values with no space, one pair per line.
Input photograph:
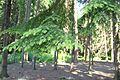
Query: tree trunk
[6,23]
[55,60]
[22,57]
[85,52]
[105,42]
[34,62]
[76,28]
[26,19]
[28,10]
[72,58]
[113,44]
[89,52]
[67,20]
[87,22]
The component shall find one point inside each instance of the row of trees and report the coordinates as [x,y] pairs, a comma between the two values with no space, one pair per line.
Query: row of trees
[39,26]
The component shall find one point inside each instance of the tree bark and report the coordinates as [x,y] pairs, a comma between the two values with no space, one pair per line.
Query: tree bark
[55,60]
[89,52]
[67,12]
[72,58]
[105,42]
[34,62]
[6,24]
[28,10]
[26,19]
[113,44]
[22,57]
[76,28]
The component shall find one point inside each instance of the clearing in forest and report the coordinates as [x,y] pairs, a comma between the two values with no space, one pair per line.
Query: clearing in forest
[100,71]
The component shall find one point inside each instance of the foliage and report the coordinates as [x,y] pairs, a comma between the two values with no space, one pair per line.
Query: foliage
[101,9]
[44,37]
[45,57]
[45,30]
[11,58]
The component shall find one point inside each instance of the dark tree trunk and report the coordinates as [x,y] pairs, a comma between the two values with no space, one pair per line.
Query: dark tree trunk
[22,57]
[114,44]
[34,62]
[55,60]
[85,52]
[6,23]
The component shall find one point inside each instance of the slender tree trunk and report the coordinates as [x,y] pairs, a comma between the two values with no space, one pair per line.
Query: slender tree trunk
[86,40]
[89,52]
[6,24]
[34,62]
[76,28]
[105,42]
[22,57]
[67,20]
[86,48]
[112,44]
[28,10]
[15,15]
[74,50]
[55,60]
[26,19]
[72,58]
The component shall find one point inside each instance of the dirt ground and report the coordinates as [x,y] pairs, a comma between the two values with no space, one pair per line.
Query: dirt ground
[100,71]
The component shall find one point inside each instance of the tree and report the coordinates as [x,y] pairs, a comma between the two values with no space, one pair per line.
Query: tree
[6,24]
[76,27]
[26,19]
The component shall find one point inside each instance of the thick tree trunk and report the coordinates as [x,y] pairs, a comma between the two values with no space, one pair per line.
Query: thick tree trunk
[4,64]
[113,44]
[6,22]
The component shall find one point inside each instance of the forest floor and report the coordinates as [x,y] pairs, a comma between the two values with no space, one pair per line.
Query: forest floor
[100,71]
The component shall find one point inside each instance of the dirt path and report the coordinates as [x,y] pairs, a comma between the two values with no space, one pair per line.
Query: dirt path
[100,71]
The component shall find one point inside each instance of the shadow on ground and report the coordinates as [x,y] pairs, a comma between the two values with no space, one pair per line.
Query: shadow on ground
[100,71]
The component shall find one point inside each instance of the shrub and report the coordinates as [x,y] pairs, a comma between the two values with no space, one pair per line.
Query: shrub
[45,57]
